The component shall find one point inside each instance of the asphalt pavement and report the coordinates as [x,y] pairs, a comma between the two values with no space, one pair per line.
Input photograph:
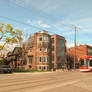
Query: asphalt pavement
[68,81]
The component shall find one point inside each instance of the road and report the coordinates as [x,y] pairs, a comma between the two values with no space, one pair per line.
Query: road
[72,81]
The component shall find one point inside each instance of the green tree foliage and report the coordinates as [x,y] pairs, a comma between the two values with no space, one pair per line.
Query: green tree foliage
[9,35]
[4,62]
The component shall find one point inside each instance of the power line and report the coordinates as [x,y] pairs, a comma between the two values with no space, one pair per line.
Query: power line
[20,22]
[17,21]
[45,14]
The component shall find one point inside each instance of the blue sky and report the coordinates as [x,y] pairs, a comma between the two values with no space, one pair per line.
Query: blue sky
[55,16]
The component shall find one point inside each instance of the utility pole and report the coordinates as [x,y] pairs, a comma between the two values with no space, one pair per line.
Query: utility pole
[74,45]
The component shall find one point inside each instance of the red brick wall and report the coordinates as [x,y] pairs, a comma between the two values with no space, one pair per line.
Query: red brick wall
[80,51]
[34,51]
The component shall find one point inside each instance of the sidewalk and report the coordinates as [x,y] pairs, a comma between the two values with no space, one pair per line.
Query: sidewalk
[32,72]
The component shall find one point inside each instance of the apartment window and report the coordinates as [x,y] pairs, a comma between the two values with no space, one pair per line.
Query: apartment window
[24,62]
[52,48]
[52,57]
[45,49]
[40,59]
[30,50]
[39,68]
[52,40]
[40,38]
[30,59]
[45,68]
[45,38]
[40,49]
[44,59]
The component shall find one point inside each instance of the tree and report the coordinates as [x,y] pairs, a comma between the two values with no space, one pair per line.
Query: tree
[9,35]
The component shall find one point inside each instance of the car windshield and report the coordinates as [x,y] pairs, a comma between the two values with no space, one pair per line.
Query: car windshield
[84,62]
[90,63]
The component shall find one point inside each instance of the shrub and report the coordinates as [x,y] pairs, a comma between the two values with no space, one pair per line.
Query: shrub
[29,70]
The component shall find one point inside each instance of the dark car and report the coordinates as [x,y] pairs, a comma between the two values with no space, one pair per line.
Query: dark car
[5,69]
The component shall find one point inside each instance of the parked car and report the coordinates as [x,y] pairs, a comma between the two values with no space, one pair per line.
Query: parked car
[5,69]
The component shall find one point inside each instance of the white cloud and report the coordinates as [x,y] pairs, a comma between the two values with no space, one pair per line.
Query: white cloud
[18,2]
[70,45]
[34,22]
[63,28]
[67,33]
[45,25]
[38,23]
[66,26]
[60,17]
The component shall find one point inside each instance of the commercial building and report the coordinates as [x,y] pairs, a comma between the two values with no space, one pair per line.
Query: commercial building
[81,50]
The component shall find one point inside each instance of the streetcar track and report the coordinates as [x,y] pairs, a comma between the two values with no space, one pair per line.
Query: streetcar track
[32,81]
[28,81]
[13,79]
[22,80]
[35,84]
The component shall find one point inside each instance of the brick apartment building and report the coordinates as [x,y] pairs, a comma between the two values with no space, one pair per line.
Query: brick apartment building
[81,50]
[42,52]
[45,51]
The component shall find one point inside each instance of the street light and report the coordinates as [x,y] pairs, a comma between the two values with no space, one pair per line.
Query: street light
[74,46]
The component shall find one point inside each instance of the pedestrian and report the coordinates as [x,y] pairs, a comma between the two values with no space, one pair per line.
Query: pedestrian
[62,67]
